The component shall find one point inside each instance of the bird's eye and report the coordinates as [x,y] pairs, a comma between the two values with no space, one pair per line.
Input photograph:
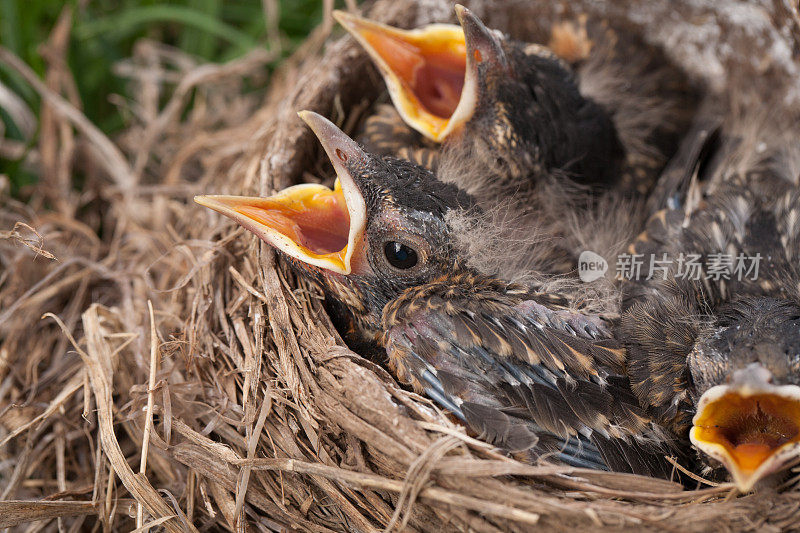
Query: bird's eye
[399,255]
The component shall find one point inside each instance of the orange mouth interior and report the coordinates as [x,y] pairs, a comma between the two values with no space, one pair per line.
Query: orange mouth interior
[430,67]
[750,428]
[316,219]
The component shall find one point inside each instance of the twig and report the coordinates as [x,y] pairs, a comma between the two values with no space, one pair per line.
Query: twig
[148,421]
[252,443]
[15,235]
[71,387]
[19,111]
[373,481]
[14,513]
[271,21]
[108,508]
[692,475]
[237,277]
[418,474]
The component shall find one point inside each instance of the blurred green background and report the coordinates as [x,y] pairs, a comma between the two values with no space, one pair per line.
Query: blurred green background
[104,31]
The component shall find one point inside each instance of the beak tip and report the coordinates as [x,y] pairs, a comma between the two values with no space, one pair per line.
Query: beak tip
[463,14]
[309,117]
[321,126]
[744,488]
[342,17]
[746,483]
[210,201]
[351,21]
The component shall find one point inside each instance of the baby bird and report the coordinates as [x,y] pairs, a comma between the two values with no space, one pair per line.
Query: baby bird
[713,339]
[512,109]
[517,365]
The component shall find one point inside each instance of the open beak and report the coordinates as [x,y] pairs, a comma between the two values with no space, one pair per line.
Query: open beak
[751,427]
[308,222]
[431,72]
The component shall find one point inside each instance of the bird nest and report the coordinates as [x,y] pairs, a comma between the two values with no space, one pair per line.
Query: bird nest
[160,367]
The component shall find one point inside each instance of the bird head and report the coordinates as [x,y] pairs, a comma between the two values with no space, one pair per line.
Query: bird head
[727,373]
[381,229]
[515,107]
[745,369]
[434,74]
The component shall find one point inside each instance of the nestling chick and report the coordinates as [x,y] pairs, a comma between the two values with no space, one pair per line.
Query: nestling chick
[517,130]
[714,353]
[512,109]
[517,366]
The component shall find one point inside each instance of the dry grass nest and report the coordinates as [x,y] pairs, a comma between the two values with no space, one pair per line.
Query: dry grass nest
[162,369]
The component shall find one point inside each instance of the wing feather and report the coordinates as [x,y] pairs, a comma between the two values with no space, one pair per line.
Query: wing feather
[525,376]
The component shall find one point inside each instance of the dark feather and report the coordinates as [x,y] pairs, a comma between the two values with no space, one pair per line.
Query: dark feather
[496,427]
[524,371]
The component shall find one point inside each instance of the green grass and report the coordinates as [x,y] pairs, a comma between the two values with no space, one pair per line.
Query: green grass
[104,31]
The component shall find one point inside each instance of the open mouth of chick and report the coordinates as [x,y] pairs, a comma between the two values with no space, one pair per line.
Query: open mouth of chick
[431,68]
[309,222]
[314,224]
[425,71]
[751,432]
